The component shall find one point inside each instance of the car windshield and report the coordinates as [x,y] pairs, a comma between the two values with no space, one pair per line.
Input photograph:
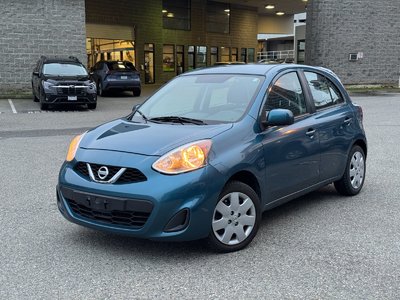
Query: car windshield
[64,69]
[212,98]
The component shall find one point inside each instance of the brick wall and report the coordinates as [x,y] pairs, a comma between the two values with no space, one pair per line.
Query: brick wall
[29,29]
[337,28]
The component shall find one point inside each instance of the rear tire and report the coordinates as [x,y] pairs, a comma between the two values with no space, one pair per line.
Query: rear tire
[136,93]
[236,218]
[354,176]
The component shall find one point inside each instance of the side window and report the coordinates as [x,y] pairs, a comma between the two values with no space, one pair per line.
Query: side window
[324,92]
[287,93]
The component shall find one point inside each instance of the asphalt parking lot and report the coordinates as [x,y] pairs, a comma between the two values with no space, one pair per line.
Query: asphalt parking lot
[321,246]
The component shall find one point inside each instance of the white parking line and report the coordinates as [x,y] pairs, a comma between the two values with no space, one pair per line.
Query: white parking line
[12,106]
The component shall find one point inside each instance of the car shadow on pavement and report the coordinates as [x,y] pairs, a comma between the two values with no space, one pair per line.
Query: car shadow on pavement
[314,200]
[66,108]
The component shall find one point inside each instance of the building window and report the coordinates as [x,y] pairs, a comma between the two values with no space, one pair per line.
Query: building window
[225,55]
[234,54]
[180,59]
[250,54]
[176,14]
[218,15]
[149,63]
[243,55]
[168,58]
[213,55]
[201,56]
[190,58]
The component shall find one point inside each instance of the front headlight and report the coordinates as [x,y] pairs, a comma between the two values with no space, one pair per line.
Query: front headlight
[47,86]
[92,86]
[73,147]
[186,158]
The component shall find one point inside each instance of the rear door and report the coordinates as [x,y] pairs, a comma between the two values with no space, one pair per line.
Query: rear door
[291,152]
[334,120]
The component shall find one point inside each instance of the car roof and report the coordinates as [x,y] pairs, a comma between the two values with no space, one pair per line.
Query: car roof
[253,69]
[60,59]
[115,61]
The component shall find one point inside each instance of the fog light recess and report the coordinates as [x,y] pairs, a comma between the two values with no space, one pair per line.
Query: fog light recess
[178,222]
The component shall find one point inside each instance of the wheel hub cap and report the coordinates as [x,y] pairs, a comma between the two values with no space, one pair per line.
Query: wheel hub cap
[234,218]
[357,170]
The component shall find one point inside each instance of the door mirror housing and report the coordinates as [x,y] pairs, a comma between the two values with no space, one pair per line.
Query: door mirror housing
[35,73]
[278,117]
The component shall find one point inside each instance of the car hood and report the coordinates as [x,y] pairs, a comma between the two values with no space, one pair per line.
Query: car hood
[65,79]
[147,139]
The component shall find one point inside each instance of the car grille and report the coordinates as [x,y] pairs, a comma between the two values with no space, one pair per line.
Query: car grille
[130,175]
[125,218]
[106,209]
[71,90]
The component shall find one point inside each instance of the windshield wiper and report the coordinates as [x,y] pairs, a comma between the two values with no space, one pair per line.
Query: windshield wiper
[142,114]
[177,119]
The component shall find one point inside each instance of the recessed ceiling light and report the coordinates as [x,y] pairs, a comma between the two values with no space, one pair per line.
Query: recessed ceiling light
[280,13]
[270,6]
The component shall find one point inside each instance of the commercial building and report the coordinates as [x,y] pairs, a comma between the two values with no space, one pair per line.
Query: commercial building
[359,40]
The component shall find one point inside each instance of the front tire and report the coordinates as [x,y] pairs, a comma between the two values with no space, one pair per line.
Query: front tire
[353,178]
[34,98]
[236,218]
[100,90]
[43,106]
[92,105]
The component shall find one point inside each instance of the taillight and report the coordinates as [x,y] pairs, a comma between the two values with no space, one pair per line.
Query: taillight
[360,112]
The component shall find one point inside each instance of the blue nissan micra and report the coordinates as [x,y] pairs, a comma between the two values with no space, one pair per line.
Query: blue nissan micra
[211,150]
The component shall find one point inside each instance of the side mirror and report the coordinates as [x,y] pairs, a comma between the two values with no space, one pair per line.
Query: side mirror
[91,73]
[135,107]
[278,117]
[35,73]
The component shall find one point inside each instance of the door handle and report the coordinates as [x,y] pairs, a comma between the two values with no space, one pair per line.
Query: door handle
[347,121]
[310,132]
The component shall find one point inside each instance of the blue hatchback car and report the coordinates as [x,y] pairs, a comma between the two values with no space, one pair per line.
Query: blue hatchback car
[211,150]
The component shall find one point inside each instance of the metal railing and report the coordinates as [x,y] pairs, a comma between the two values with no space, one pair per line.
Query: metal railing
[275,55]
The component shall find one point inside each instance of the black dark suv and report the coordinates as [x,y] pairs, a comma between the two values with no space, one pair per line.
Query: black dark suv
[57,80]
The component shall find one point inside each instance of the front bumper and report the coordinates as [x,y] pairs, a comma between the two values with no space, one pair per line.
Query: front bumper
[161,197]
[70,99]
